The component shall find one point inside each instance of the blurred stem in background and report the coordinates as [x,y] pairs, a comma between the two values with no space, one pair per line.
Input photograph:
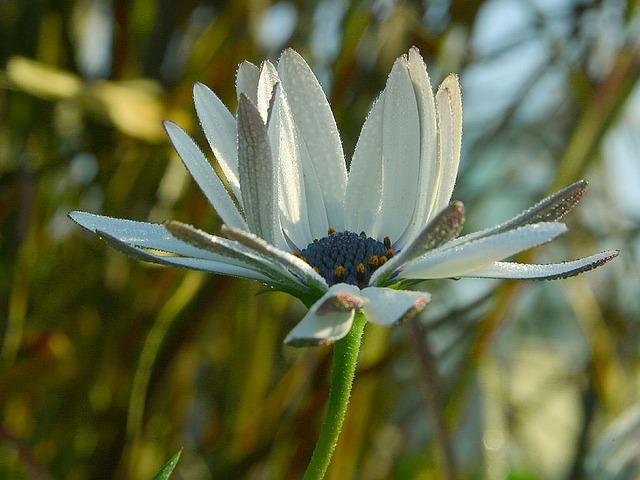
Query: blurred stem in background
[433,396]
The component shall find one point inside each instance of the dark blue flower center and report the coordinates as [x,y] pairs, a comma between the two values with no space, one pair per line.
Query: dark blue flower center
[346,257]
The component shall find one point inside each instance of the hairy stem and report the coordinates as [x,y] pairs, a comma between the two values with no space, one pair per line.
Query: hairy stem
[343,369]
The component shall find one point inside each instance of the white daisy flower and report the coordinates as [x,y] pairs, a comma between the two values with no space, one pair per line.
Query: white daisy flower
[297,221]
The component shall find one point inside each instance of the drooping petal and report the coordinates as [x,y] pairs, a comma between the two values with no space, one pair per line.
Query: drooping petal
[275,267]
[387,307]
[443,228]
[329,319]
[205,176]
[550,271]
[205,265]
[363,199]
[448,262]
[311,278]
[135,238]
[427,179]
[400,152]
[449,107]
[247,78]
[318,133]
[219,126]
[258,175]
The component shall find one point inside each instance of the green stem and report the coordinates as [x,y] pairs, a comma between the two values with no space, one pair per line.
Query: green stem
[343,369]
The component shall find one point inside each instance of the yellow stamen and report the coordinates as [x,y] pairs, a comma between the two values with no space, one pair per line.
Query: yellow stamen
[361,272]
[338,273]
[296,253]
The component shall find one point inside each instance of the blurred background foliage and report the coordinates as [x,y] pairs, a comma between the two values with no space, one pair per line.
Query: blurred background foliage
[108,366]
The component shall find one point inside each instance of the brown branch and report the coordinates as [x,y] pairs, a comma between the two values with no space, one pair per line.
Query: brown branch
[433,395]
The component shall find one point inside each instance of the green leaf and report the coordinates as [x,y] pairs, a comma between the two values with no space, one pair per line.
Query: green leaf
[167,468]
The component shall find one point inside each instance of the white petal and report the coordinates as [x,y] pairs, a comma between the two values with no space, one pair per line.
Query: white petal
[364,195]
[266,88]
[318,131]
[205,265]
[386,306]
[247,81]
[329,319]
[219,126]
[315,198]
[447,262]
[258,175]
[205,176]
[449,107]
[400,152]
[286,152]
[141,234]
[551,271]
[427,180]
